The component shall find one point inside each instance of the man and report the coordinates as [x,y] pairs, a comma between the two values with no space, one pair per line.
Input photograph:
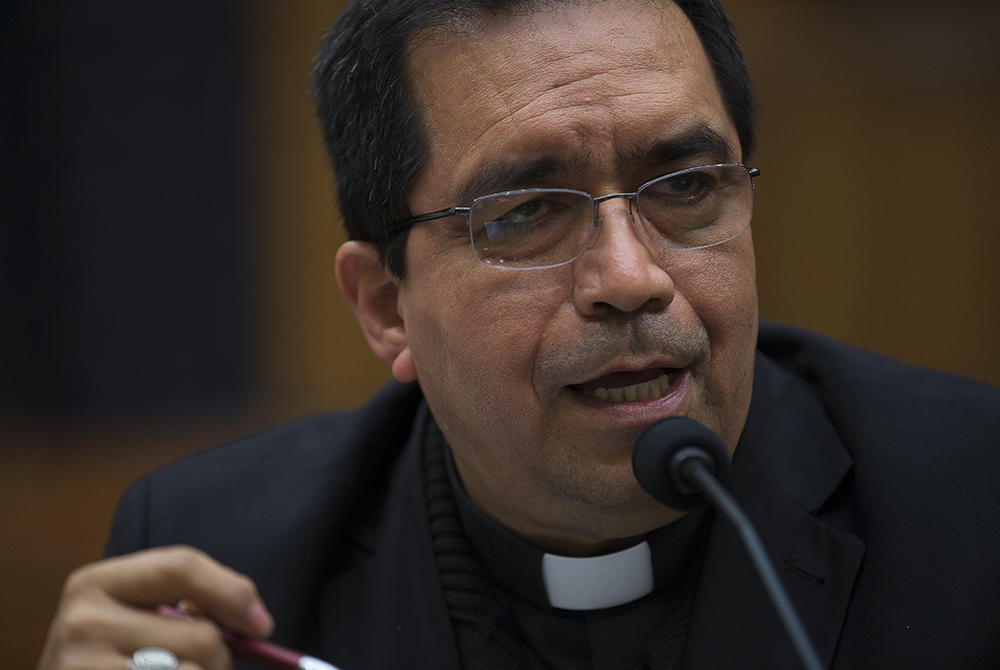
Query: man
[549,207]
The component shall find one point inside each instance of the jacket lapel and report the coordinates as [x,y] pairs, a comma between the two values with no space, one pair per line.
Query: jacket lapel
[789,461]
[385,609]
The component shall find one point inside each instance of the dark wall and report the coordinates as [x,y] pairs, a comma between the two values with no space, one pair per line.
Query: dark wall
[123,216]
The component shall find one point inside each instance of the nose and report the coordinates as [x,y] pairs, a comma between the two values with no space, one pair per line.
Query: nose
[622,269]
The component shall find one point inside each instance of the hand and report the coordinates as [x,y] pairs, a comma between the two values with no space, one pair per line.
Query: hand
[108,611]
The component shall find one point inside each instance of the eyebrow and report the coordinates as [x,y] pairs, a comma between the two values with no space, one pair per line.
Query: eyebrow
[496,177]
[702,140]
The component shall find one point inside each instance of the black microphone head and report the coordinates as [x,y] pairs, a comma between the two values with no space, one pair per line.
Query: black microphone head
[660,450]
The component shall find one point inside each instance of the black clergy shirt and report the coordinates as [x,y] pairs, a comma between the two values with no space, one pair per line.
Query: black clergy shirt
[649,632]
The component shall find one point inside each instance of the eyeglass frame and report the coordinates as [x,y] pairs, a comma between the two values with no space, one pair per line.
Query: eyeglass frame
[396,228]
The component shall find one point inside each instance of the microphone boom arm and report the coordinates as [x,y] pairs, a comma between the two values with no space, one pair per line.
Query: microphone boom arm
[693,470]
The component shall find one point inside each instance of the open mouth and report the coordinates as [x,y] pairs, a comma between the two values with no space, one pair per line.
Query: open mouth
[648,384]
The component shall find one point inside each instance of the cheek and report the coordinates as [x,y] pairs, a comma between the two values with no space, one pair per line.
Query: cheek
[723,294]
[720,283]
[475,349]
[729,298]
[475,342]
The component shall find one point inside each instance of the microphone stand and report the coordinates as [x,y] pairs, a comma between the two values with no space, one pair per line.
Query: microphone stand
[694,472]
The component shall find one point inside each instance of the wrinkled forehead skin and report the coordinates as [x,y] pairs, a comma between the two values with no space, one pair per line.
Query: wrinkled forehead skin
[483,49]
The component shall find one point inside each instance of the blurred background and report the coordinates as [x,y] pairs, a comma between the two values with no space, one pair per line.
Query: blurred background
[167,231]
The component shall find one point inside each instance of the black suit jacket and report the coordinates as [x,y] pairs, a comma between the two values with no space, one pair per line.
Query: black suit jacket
[875,487]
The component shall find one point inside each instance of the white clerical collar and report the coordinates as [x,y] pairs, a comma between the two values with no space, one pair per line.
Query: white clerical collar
[561,581]
[598,582]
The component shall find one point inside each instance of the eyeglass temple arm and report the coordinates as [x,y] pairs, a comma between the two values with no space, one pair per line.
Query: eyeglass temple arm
[431,216]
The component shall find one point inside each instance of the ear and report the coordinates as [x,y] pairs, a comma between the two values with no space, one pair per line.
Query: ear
[373,294]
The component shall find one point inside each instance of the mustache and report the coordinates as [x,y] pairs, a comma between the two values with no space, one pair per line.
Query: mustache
[634,338]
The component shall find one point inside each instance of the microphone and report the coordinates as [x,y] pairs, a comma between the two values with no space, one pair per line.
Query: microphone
[667,450]
[678,461]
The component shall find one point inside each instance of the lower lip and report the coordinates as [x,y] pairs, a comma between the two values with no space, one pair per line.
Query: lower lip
[643,411]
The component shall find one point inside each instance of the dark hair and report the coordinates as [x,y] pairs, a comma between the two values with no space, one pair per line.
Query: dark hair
[372,124]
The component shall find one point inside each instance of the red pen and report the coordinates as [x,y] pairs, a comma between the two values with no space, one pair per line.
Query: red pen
[260,652]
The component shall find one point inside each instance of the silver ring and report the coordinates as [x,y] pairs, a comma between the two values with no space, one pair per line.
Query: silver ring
[152,658]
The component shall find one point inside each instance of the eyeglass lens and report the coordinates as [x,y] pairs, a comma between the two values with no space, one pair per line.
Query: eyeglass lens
[536,228]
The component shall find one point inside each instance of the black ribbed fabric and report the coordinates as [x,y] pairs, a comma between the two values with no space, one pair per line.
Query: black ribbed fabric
[487,635]
[666,651]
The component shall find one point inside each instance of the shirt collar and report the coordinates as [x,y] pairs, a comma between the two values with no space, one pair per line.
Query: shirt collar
[571,583]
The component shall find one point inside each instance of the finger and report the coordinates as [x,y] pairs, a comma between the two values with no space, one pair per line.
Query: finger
[96,628]
[167,575]
[82,658]
[188,607]
[199,641]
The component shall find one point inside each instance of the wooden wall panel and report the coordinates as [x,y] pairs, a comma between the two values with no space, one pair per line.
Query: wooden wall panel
[876,218]
[311,352]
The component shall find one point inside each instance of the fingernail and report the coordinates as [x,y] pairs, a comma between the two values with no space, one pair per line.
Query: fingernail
[174,613]
[260,619]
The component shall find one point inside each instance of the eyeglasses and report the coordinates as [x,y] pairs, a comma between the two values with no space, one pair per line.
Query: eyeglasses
[537,228]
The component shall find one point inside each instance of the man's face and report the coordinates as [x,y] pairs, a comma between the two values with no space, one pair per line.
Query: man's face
[598,98]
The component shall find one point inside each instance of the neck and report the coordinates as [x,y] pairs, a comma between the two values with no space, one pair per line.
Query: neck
[602,536]
[575,546]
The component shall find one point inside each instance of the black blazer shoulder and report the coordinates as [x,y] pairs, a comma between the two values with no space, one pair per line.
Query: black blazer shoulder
[281,505]
[920,493]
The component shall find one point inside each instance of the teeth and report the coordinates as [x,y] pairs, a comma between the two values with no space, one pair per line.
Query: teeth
[652,389]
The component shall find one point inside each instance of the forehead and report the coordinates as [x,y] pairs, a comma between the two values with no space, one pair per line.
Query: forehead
[579,87]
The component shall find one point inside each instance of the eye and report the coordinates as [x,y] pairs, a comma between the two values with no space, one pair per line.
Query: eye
[679,191]
[689,184]
[508,216]
[527,212]
[697,208]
